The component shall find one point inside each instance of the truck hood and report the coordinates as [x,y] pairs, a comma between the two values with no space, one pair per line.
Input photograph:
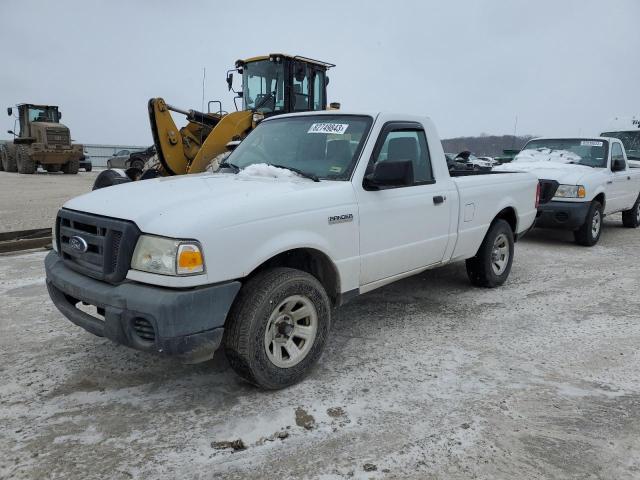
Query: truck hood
[178,206]
[563,173]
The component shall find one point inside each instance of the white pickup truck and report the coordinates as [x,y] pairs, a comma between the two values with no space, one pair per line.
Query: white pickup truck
[308,211]
[584,180]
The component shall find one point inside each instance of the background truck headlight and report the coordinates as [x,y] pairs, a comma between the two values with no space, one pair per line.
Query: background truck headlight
[167,256]
[570,191]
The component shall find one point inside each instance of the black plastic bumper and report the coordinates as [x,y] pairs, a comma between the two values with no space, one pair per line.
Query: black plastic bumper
[188,323]
[566,215]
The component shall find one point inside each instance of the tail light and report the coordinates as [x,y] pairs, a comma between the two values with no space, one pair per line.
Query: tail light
[538,195]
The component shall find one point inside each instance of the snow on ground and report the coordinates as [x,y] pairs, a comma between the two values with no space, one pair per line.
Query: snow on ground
[424,378]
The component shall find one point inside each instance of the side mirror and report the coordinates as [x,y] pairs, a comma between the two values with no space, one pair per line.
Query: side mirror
[618,165]
[326,81]
[390,173]
[230,81]
[11,132]
[9,111]
[59,115]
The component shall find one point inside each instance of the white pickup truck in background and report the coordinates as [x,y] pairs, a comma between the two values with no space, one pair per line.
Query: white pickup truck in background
[585,179]
[308,211]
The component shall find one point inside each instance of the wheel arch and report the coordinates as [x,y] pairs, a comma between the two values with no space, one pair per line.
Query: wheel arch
[600,197]
[312,261]
[509,215]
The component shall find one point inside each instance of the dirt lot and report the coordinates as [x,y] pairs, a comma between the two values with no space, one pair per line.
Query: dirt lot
[426,378]
[31,201]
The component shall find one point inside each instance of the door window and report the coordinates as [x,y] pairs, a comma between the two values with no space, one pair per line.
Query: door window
[406,144]
[301,87]
[318,90]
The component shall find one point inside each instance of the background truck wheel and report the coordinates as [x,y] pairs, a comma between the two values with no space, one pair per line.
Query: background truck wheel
[631,218]
[137,163]
[492,264]
[52,168]
[277,327]
[26,165]
[8,159]
[589,233]
[71,167]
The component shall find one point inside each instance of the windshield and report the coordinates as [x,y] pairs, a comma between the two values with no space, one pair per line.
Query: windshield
[630,140]
[43,114]
[591,153]
[263,86]
[326,146]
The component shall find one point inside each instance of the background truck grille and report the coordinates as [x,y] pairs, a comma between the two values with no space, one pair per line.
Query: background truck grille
[96,246]
[58,136]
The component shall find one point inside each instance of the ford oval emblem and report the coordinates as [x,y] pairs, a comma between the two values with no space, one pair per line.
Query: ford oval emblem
[78,244]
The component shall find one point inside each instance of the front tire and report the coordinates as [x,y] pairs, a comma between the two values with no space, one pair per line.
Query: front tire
[26,164]
[277,327]
[631,217]
[589,233]
[8,158]
[491,266]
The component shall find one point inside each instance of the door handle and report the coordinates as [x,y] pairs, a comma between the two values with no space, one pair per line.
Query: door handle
[438,199]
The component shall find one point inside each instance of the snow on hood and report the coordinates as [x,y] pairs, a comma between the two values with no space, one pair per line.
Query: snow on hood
[548,155]
[266,170]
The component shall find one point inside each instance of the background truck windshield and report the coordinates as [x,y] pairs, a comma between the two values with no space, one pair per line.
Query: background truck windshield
[630,140]
[326,146]
[589,152]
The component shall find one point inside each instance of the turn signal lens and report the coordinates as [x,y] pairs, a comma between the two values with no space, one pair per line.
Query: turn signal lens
[189,259]
[581,192]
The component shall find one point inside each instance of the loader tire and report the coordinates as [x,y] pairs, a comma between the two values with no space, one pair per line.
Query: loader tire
[491,266]
[26,164]
[71,167]
[631,217]
[7,158]
[277,327]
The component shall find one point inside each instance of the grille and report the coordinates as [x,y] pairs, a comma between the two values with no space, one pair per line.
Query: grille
[547,190]
[144,329]
[58,136]
[99,247]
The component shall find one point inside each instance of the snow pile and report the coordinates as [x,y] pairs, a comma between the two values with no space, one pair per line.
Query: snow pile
[265,170]
[547,155]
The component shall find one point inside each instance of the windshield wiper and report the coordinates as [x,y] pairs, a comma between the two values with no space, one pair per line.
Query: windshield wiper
[299,172]
[233,167]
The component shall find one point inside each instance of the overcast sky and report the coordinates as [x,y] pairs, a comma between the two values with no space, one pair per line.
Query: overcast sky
[561,67]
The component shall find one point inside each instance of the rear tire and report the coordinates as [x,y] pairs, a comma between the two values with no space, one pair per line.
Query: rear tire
[491,266]
[26,164]
[631,217]
[2,154]
[71,167]
[8,158]
[263,336]
[589,233]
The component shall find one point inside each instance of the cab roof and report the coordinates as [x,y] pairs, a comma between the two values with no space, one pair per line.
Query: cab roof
[321,63]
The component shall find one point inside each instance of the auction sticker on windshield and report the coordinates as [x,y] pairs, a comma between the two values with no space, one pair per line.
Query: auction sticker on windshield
[590,143]
[336,128]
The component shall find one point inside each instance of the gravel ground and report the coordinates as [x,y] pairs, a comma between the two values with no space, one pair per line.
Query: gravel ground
[32,201]
[425,378]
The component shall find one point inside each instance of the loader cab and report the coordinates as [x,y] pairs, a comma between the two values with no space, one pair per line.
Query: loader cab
[278,83]
[29,113]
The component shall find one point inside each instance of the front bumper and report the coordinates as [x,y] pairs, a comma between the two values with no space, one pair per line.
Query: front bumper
[188,323]
[566,215]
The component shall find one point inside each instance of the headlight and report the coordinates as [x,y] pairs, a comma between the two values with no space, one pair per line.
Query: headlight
[570,191]
[167,256]
[54,235]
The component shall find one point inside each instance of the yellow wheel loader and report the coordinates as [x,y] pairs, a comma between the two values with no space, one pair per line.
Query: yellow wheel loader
[271,85]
